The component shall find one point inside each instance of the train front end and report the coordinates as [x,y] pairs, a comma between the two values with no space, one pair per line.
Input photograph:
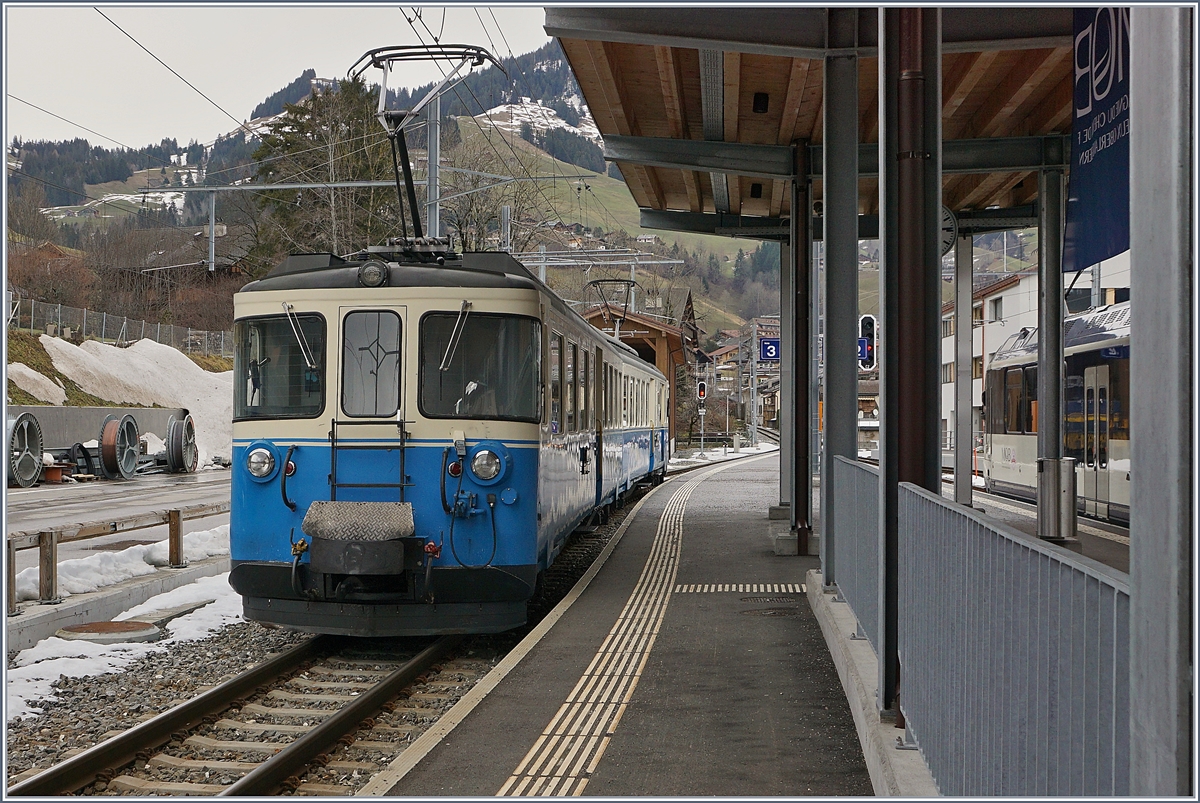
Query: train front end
[386,415]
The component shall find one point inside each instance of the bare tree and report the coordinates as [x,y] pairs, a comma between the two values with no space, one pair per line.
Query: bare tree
[473,214]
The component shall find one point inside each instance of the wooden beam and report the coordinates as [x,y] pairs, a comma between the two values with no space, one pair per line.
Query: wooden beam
[791,102]
[642,185]
[778,190]
[672,88]
[1028,93]
[691,183]
[958,88]
[1053,112]
[735,193]
[1015,86]
[732,94]
[987,188]
[810,104]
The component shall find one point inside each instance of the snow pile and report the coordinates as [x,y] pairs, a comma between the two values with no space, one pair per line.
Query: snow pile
[717,454]
[83,575]
[511,116]
[149,373]
[30,677]
[35,384]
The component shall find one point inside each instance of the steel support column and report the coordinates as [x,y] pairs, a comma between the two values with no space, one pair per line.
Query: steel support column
[841,267]
[910,303]
[964,353]
[787,390]
[1163,387]
[801,267]
[1050,356]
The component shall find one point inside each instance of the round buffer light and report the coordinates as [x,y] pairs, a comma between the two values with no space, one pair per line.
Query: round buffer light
[373,274]
[260,462]
[485,464]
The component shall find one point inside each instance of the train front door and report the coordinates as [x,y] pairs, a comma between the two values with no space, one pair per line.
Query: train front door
[1095,452]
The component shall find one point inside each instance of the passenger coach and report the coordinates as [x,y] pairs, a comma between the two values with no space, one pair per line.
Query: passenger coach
[1096,401]
[416,433]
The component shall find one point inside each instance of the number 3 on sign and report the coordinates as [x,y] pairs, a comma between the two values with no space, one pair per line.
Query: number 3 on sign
[768,348]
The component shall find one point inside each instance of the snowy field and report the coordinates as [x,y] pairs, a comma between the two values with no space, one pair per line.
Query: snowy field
[145,374]
[31,675]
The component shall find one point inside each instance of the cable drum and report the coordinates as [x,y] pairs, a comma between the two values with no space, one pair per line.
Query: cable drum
[182,454]
[24,450]
[119,447]
[81,456]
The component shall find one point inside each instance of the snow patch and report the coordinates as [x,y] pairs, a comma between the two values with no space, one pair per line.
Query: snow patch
[35,384]
[511,116]
[31,676]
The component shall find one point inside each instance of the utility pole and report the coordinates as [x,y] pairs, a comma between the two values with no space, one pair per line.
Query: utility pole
[433,131]
[212,232]
[506,228]
[754,386]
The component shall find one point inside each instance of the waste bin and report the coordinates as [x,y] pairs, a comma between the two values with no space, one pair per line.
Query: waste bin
[1057,518]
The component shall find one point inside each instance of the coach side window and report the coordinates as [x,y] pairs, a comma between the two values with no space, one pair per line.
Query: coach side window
[571,353]
[585,388]
[556,350]
[1013,414]
[1031,399]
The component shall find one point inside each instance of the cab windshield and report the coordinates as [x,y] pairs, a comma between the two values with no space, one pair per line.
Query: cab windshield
[492,369]
[279,367]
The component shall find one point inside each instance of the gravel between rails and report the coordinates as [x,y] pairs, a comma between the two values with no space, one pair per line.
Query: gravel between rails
[85,711]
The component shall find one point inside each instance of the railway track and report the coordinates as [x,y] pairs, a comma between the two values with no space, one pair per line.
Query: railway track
[319,719]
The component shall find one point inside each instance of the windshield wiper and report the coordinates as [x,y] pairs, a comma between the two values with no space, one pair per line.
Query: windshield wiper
[298,332]
[455,335]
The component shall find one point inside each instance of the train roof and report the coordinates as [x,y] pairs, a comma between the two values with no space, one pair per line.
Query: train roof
[490,269]
[1090,328]
[478,269]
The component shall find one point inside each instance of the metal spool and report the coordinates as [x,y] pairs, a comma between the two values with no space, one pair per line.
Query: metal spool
[24,450]
[82,457]
[182,454]
[119,447]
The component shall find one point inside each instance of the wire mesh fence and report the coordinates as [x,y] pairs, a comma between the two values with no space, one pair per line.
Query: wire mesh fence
[78,325]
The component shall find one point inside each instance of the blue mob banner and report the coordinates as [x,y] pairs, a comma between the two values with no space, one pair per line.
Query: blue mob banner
[1098,189]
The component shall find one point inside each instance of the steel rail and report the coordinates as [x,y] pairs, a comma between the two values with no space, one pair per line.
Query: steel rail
[80,770]
[267,777]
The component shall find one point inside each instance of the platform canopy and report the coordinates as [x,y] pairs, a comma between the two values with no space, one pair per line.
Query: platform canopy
[699,107]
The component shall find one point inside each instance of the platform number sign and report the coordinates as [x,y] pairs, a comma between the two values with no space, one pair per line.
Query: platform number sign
[768,349]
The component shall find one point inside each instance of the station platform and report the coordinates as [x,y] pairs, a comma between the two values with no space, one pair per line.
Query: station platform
[691,664]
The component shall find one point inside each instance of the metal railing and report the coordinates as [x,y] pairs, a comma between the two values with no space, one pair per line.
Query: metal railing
[1014,656]
[84,324]
[856,511]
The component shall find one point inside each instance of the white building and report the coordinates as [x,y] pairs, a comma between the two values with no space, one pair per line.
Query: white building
[998,311]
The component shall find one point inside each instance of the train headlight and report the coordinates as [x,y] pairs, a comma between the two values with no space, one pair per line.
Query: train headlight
[485,464]
[260,462]
[373,274]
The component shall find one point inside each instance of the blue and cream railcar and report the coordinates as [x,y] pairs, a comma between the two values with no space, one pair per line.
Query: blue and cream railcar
[416,435]
[1096,398]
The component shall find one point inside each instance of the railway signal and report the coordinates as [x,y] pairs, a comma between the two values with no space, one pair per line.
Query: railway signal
[701,390]
[866,351]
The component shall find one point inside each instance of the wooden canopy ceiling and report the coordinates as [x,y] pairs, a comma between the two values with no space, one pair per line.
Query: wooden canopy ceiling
[1005,73]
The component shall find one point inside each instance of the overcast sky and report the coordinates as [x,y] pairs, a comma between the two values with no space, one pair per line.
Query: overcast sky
[72,62]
